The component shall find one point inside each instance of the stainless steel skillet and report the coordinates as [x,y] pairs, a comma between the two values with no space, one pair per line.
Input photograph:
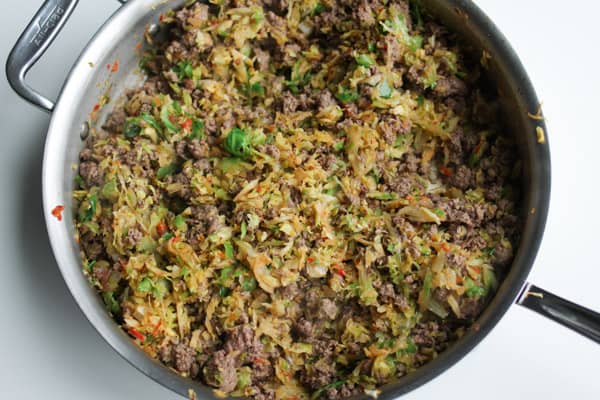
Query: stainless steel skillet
[95,75]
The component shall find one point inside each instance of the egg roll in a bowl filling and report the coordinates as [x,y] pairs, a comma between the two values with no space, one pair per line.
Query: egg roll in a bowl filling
[305,199]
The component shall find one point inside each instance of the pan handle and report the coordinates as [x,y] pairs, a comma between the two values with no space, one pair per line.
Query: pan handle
[580,319]
[32,44]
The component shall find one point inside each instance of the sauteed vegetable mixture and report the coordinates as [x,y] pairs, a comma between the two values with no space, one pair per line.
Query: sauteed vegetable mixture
[306,199]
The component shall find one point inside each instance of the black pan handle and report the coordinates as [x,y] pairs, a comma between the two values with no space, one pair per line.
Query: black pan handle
[571,315]
[31,45]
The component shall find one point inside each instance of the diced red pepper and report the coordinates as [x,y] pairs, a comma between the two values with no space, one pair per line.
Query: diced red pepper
[57,212]
[259,360]
[156,328]
[445,247]
[161,18]
[161,228]
[96,107]
[446,171]
[341,272]
[310,260]
[187,124]
[133,332]
[115,66]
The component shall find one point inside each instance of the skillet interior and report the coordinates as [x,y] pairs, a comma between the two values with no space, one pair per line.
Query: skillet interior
[117,40]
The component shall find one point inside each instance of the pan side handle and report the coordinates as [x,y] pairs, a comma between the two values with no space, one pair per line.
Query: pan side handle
[580,319]
[31,45]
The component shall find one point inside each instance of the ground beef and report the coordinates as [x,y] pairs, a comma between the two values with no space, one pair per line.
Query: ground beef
[392,50]
[91,174]
[364,14]
[462,177]
[263,393]
[115,121]
[325,99]
[290,103]
[342,392]
[402,185]
[242,340]
[303,328]
[328,161]
[203,221]
[319,375]
[198,148]
[220,371]
[184,357]
[410,163]
[263,59]
[133,236]
[262,370]
[502,254]
[270,150]
[329,309]
[450,86]
[388,295]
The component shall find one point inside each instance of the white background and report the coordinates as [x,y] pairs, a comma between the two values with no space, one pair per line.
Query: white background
[48,349]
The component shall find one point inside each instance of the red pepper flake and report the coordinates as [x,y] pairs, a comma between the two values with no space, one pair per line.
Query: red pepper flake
[446,171]
[310,260]
[187,124]
[96,107]
[340,271]
[214,22]
[161,228]
[161,17]
[156,328]
[57,212]
[115,66]
[133,332]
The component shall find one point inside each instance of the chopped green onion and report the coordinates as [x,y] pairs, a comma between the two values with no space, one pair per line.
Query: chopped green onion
[346,95]
[91,209]
[145,285]
[248,284]
[167,170]
[131,128]
[150,120]
[197,129]
[472,290]
[228,249]
[244,230]
[364,60]
[179,222]
[164,117]
[184,69]
[385,90]
[319,8]
[238,143]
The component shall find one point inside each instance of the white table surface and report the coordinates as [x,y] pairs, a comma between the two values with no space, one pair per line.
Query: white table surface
[48,350]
